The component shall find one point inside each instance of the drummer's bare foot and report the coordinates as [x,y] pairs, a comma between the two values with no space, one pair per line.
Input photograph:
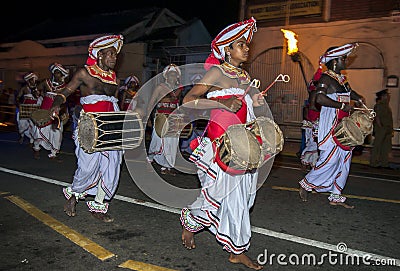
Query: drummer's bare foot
[243,259]
[188,239]
[303,194]
[55,159]
[103,217]
[341,204]
[70,206]
[36,155]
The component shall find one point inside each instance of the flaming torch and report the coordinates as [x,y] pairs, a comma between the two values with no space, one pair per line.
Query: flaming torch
[293,50]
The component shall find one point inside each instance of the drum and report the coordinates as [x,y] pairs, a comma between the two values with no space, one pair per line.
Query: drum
[172,125]
[101,131]
[270,134]
[41,117]
[364,120]
[238,150]
[347,134]
[25,110]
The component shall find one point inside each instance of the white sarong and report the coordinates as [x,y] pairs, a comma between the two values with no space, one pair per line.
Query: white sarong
[225,200]
[99,167]
[333,166]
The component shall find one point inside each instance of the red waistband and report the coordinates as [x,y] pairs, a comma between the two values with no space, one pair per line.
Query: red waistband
[312,115]
[30,101]
[47,102]
[101,106]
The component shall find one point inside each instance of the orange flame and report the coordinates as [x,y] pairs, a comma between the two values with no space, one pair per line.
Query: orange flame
[291,41]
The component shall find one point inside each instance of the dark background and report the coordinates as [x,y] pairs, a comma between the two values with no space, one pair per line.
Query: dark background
[16,15]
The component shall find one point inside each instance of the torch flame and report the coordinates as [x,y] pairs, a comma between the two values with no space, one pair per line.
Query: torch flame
[291,41]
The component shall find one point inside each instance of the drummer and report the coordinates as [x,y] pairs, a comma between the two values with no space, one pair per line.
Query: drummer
[98,173]
[333,94]
[225,214]
[28,94]
[166,97]
[50,135]
[127,92]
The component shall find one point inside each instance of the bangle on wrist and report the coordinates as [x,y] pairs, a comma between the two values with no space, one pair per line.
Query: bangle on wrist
[342,107]
[196,102]
[63,97]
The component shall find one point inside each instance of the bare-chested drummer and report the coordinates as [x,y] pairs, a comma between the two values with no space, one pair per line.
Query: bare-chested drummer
[97,173]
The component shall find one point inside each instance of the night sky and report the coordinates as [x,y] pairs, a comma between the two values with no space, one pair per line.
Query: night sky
[215,15]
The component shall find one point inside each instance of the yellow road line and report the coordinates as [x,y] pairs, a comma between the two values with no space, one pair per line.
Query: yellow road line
[348,196]
[69,233]
[140,266]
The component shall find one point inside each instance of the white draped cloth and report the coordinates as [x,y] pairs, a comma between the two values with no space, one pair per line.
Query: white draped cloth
[26,126]
[101,167]
[225,200]
[309,155]
[48,137]
[163,150]
[333,166]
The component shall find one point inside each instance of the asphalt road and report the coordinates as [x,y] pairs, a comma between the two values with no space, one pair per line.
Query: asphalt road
[146,235]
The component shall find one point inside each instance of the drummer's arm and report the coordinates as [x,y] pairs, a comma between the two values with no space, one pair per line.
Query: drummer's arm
[324,100]
[206,84]
[155,97]
[70,88]
[357,97]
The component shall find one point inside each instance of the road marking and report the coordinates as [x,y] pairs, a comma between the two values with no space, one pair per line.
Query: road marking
[87,244]
[140,266]
[348,196]
[263,231]
[352,175]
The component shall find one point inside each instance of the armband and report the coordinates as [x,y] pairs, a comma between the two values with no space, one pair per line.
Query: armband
[196,102]
[63,97]
[321,92]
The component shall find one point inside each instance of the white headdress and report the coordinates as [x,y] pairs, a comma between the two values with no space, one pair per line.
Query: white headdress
[169,68]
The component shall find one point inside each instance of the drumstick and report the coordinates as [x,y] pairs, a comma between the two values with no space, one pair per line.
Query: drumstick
[255,83]
[281,78]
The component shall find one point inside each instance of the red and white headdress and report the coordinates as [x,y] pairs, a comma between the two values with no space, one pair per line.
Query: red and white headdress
[169,68]
[129,81]
[103,43]
[337,52]
[343,50]
[29,76]
[57,66]
[228,35]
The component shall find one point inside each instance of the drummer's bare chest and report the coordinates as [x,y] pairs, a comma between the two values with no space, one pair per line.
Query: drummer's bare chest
[99,88]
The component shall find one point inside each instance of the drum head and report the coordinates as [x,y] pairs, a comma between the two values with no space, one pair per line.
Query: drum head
[41,117]
[364,121]
[243,148]
[161,124]
[270,134]
[87,132]
[348,133]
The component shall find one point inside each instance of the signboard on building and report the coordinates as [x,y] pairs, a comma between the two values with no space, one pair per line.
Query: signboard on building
[293,8]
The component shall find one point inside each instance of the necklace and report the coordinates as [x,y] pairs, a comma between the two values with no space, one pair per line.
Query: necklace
[340,78]
[108,77]
[234,72]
